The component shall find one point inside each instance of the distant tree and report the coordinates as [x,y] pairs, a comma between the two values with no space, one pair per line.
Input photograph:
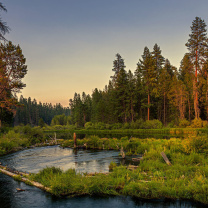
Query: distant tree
[121,85]
[197,46]
[164,82]
[41,123]
[118,64]
[187,77]
[149,76]
[158,59]
[131,96]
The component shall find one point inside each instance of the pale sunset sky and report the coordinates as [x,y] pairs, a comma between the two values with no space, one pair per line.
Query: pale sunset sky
[70,45]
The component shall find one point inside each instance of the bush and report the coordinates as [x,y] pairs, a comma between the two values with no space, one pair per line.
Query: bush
[197,144]
[126,126]
[100,126]
[117,126]
[183,123]
[152,124]
[137,124]
[88,125]
[198,123]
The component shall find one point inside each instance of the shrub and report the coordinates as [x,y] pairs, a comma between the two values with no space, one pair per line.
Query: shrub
[197,144]
[100,126]
[152,124]
[183,123]
[137,124]
[197,123]
[117,126]
[126,126]
[88,125]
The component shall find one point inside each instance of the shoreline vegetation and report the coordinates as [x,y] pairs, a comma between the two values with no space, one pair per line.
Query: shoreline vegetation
[185,178]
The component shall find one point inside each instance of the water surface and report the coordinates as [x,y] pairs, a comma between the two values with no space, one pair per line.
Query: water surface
[33,160]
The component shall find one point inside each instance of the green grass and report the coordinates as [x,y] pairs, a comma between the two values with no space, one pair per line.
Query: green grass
[186,178]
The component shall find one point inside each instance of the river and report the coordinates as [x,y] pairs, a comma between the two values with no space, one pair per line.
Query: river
[33,160]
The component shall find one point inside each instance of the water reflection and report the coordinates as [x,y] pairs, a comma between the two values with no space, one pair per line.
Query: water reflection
[32,160]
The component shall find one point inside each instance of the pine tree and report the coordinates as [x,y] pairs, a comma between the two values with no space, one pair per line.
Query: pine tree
[118,64]
[149,76]
[164,82]
[197,46]
[131,96]
[187,77]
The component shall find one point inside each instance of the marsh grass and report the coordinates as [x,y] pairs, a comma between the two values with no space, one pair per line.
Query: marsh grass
[20,137]
[186,178]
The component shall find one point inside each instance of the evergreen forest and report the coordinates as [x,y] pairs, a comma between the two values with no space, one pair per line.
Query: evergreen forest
[156,90]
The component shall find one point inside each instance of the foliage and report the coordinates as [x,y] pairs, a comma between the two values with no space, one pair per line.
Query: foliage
[152,179]
[20,137]
[197,123]
[183,123]
[31,112]
[152,124]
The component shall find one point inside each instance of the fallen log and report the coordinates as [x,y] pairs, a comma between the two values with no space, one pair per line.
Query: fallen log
[23,179]
[165,158]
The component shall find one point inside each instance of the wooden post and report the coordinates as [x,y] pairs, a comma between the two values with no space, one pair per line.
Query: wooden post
[55,138]
[75,140]
[165,158]
[122,153]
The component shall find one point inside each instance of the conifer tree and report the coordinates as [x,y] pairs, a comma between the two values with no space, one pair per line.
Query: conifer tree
[197,46]
[187,77]
[118,64]
[131,96]
[149,76]
[164,82]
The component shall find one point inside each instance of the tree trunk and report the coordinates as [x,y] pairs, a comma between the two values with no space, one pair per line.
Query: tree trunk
[148,110]
[132,112]
[196,102]
[189,106]
[164,111]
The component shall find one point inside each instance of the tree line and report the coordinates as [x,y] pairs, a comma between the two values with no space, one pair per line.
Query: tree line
[33,113]
[156,89]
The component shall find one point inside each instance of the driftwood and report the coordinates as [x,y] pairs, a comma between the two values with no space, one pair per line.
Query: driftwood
[23,179]
[165,158]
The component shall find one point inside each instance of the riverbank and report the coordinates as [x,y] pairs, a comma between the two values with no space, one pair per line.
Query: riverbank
[23,137]
[185,178]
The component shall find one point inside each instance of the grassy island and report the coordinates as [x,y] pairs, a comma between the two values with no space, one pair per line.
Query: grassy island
[185,178]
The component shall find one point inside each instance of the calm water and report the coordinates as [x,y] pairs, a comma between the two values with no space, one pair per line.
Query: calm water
[32,160]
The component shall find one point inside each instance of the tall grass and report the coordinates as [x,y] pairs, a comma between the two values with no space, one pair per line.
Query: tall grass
[20,137]
[186,178]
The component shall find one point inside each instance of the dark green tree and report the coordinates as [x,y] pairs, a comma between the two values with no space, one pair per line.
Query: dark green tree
[197,46]
[187,77]
[148,75]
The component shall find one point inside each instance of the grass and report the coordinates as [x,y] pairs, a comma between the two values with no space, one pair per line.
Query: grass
[20,137]
[186,178]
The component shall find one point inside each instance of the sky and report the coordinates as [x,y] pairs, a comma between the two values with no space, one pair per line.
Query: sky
[70,45]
